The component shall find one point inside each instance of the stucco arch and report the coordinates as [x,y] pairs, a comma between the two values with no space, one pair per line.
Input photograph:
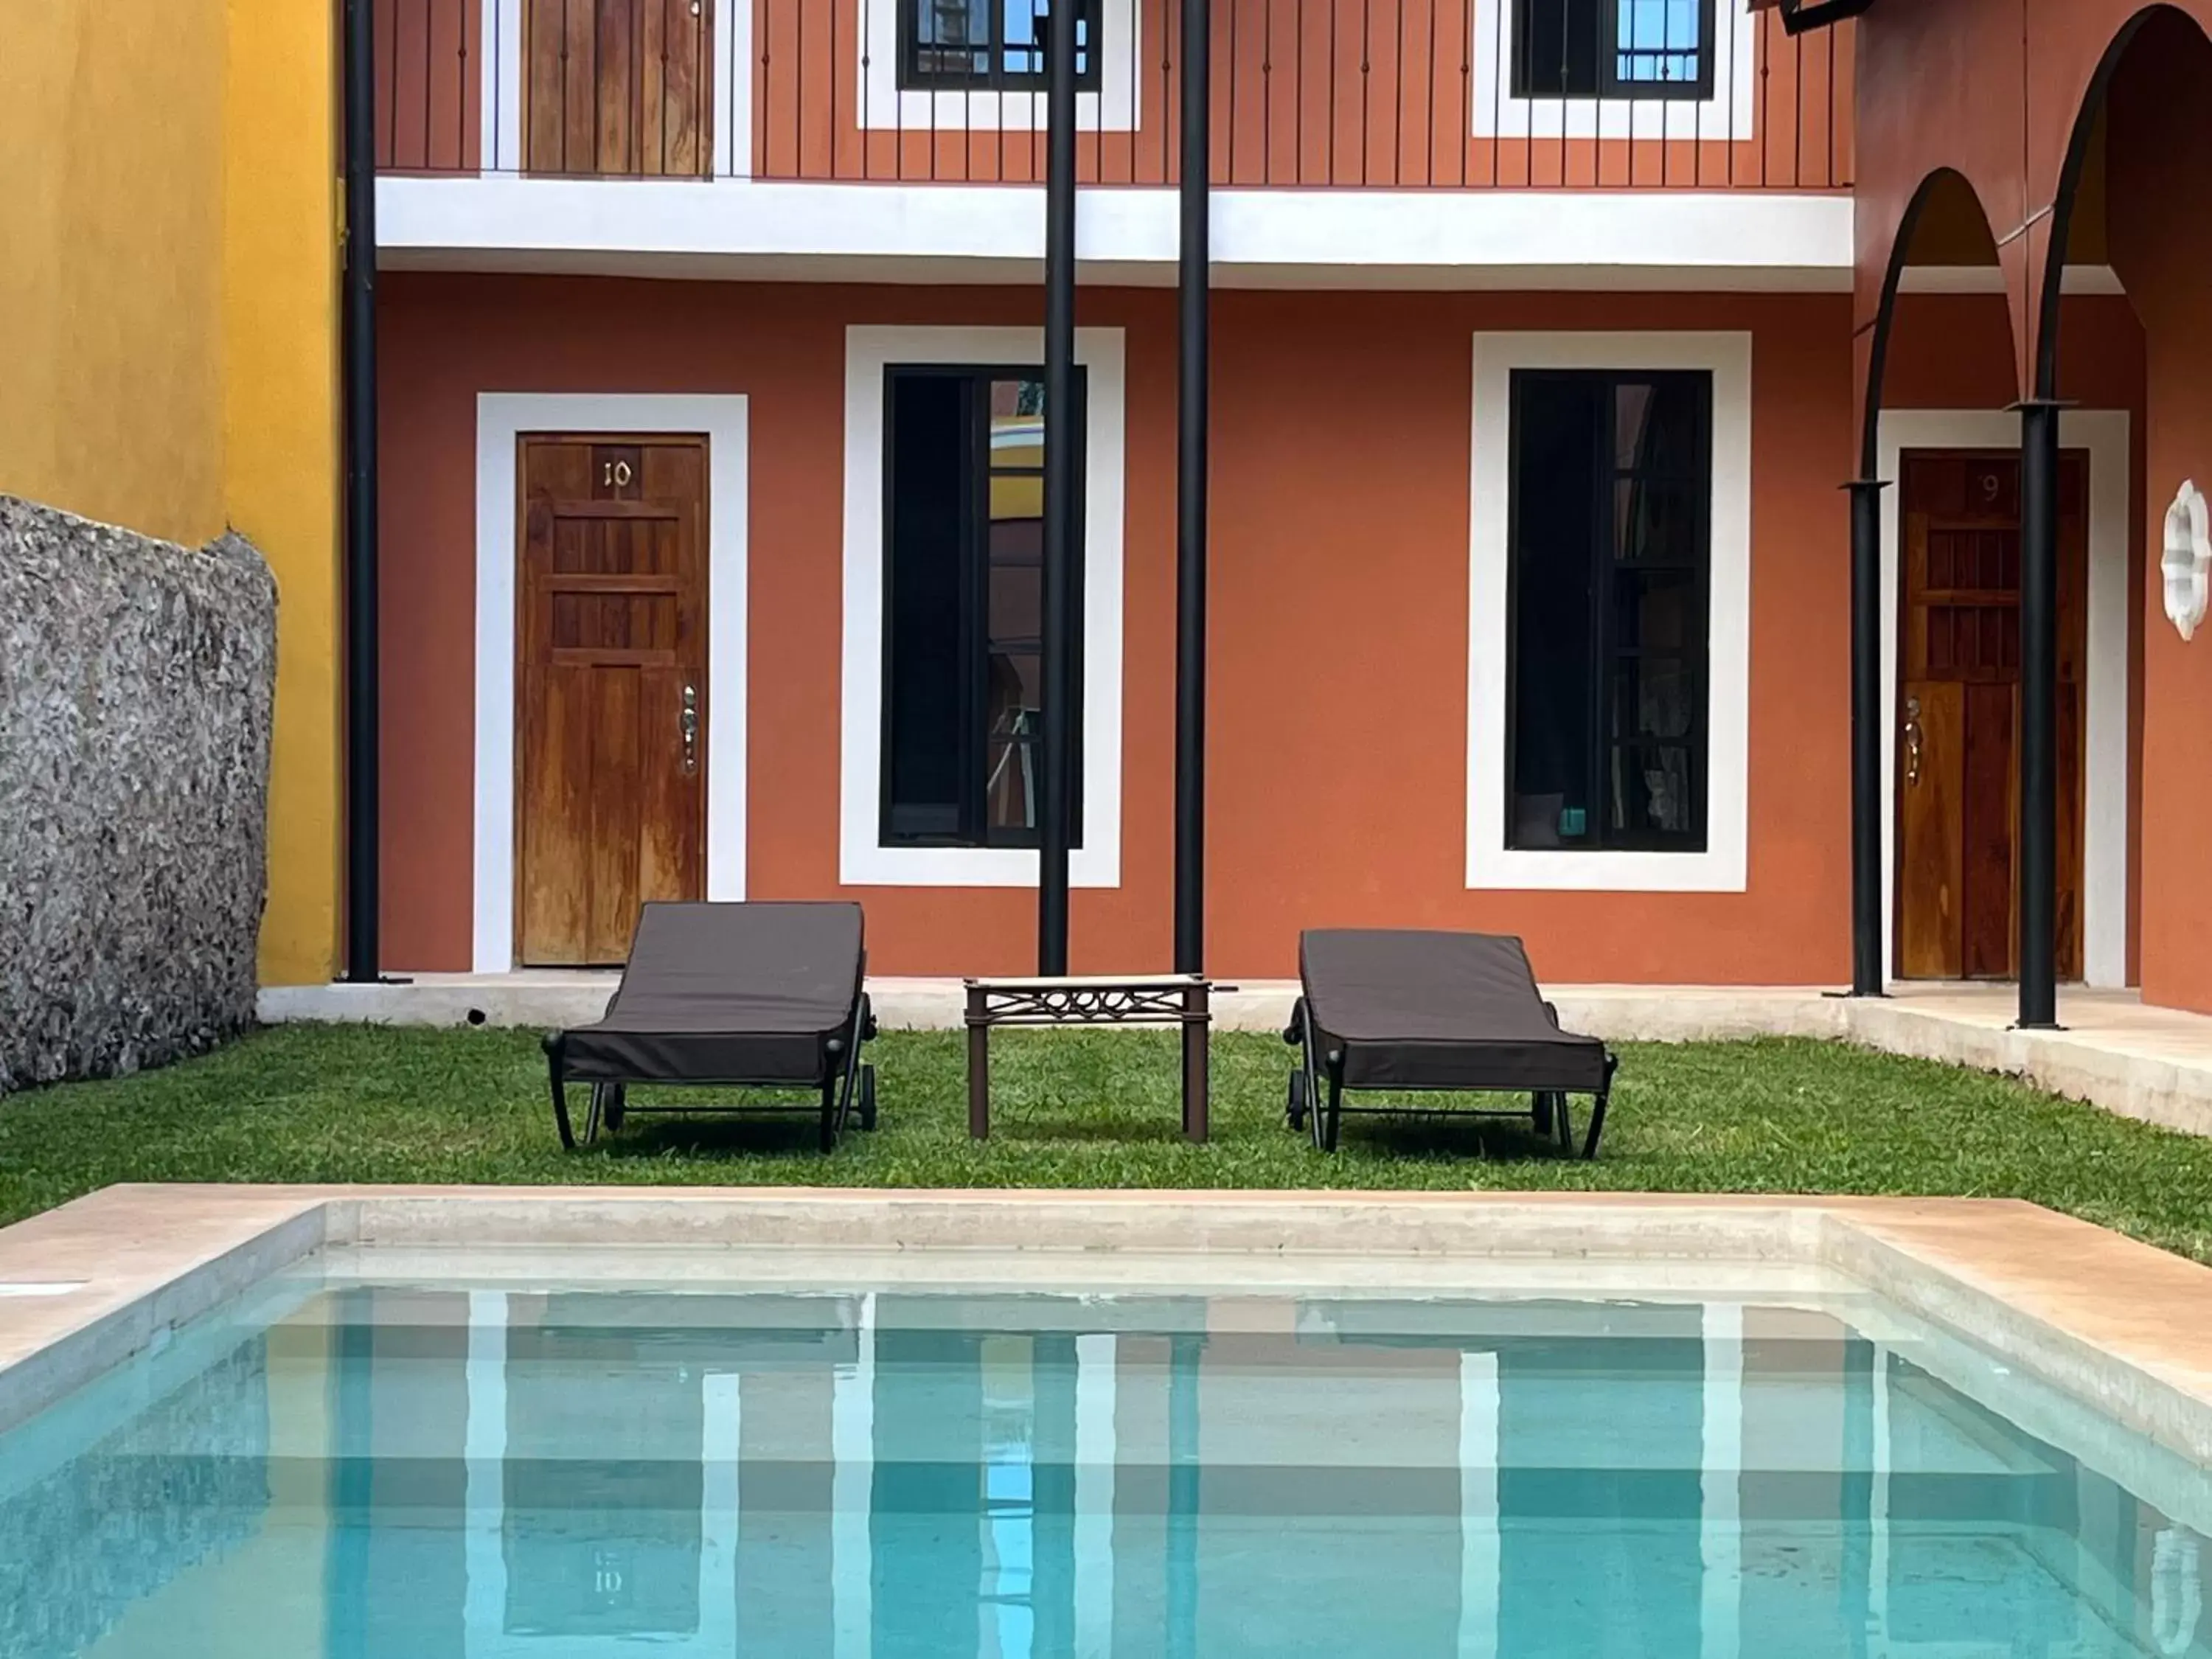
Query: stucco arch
[1879,307]
[2177,21]
[1941,89]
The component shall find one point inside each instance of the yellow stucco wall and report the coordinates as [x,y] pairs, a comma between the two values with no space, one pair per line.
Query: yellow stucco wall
[111,274]
[281,472]
[168,289]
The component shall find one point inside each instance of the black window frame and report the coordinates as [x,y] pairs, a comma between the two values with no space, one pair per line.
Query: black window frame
[974,831]
[1607,83]
[915,76]
[1696,657]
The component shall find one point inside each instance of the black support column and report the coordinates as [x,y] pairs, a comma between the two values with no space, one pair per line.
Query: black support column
[1195,278]
[1059,492]
[2036,857]
[362,738]
[1870,974]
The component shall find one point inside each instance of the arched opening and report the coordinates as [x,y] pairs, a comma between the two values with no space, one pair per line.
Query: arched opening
[1933,876]
[2137,160]
[1946,233]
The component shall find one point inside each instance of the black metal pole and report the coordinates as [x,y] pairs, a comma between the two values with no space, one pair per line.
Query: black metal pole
[1195,277]
[361,738]
[2038,715]
[1059,493]
[1868,972]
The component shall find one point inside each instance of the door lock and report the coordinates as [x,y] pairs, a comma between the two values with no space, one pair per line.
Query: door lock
[687,724]
[1912,742]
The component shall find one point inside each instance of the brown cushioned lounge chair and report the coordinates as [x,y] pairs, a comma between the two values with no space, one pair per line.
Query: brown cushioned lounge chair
[742,995]
[1435,1012]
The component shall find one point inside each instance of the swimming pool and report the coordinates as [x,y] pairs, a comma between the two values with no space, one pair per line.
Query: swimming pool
[370,1460]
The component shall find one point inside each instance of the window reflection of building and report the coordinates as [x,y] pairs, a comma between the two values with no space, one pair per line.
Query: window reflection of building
[604,1449]
[882,1476]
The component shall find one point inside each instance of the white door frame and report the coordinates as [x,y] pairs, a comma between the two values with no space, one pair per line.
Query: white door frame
[501,419]
[2105,435]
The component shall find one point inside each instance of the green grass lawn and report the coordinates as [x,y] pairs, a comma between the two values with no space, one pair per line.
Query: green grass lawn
[1097,1109]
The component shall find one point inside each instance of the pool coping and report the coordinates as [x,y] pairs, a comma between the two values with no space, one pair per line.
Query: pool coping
[2117,1325]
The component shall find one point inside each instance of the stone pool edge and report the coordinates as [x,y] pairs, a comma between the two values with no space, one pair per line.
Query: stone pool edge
[2122,1327]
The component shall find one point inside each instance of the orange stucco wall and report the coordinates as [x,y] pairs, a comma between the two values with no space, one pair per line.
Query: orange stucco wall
[2162,156]
[1340,595]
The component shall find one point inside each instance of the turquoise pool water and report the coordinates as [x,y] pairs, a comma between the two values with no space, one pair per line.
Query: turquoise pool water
[370,1471]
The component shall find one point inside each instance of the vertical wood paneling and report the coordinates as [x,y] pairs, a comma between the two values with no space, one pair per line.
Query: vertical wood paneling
[620,87]
[1958,882]
[612,631]
[1931,849]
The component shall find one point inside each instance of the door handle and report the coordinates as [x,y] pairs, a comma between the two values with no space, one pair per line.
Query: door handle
[1912,742]
[687,724]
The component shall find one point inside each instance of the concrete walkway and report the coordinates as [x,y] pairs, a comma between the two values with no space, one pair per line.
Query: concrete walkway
[2153,1064]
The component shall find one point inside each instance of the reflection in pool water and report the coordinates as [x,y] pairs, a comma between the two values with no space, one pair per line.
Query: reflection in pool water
[394,1473]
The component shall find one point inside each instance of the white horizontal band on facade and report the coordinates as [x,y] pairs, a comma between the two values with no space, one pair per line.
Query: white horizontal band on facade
[1437,239]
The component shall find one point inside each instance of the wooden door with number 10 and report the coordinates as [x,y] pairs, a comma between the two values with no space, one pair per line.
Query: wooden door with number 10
[611,689]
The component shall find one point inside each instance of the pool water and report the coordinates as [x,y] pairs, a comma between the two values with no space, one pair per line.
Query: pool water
[382,1471]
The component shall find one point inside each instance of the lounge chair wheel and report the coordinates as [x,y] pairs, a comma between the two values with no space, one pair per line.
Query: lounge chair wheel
[1563,1119]
[1297,1100]
[868,1096]
[618,1106]
[1540,1111]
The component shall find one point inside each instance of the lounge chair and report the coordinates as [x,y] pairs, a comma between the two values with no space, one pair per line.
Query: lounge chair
[765,996]
[1439,1013]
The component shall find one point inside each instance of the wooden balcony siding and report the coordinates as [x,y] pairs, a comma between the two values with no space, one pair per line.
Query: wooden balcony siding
[1392,94]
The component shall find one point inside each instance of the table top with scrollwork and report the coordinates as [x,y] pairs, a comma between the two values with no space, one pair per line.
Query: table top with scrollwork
[1090,999]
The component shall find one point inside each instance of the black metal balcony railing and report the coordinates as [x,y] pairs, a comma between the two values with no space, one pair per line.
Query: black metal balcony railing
[1381,94]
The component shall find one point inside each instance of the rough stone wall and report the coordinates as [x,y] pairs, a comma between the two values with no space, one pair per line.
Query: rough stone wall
[137,683]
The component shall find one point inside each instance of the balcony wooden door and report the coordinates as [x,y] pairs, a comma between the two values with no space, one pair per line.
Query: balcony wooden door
[1958,741]
[619,86]
[610,690]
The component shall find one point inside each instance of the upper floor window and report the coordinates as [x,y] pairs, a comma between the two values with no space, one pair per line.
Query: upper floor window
[1609,574]
[963,694]
[1612,48]
[988,44]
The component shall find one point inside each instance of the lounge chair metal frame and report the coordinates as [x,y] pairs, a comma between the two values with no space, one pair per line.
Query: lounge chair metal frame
[847,1087]
[1317,1089]
[769,996]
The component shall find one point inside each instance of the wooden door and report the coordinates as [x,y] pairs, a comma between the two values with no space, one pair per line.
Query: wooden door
[621,87]
[1958,914]
[610,690]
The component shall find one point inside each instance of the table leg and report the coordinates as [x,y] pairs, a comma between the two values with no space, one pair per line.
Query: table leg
[1197,1032]
[978,1067]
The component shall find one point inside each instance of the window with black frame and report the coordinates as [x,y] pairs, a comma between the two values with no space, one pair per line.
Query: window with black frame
[1625,49]
[1609,583]
[964,614]
[988,44]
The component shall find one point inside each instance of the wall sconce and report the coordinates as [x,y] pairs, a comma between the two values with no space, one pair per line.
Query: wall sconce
[2187,562]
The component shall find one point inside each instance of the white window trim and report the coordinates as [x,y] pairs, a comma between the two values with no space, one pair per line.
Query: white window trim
[2105,435]
[1492,864]
[863,860]
[1728,114]
[1116,106]
[501,419]
[499,49]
